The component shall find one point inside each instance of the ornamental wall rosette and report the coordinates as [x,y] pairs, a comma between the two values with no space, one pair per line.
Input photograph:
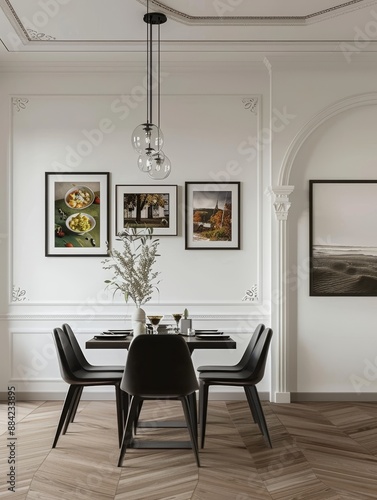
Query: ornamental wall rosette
[251,104]
[19,103]
[39,37]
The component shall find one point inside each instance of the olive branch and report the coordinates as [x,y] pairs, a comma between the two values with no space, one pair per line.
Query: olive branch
[132,267]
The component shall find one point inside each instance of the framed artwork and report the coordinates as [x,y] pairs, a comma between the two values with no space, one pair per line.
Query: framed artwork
[77,211]
[212,215]
[152,206]
[343,241]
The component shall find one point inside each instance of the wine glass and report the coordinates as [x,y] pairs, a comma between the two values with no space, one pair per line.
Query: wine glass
[177,318]
[155,321]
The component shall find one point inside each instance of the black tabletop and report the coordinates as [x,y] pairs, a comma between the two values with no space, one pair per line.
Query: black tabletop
[192,342]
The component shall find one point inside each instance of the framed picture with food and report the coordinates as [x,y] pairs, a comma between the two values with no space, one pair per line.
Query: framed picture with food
[77,214]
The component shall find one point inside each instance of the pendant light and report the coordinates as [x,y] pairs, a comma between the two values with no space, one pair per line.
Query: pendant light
[148,139]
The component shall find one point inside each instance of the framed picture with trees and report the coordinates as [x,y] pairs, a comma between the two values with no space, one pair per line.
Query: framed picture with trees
[152,206]
[212,215]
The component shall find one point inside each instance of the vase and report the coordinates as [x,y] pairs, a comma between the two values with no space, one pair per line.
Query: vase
[139,322]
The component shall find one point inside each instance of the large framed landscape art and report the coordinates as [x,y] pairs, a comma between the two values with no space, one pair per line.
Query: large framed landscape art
[343,237]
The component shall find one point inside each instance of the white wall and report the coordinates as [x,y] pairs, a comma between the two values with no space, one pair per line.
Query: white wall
[205,123]
[331,340]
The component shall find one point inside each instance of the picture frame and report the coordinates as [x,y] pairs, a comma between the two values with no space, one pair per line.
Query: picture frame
[147,206]
[343,246]
[212,215]
[76,214]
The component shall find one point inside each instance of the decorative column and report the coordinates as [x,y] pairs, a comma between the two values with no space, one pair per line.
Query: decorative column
[281,205]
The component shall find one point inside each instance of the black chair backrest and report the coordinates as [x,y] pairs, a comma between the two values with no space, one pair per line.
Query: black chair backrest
[254,370]
[68,362]
[159,366]
[75,345]
[249,349]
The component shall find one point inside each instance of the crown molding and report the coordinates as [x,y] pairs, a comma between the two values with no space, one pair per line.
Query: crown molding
[310,17]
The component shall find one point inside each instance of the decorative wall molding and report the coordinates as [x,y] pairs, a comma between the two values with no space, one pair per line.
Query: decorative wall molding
[65,317]
[18,295]
[251,104]
[251,294]
[282,203]
[19,103]
[40,37]
[369,99]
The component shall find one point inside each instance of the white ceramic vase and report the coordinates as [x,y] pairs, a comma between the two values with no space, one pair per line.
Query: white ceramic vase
[139,320]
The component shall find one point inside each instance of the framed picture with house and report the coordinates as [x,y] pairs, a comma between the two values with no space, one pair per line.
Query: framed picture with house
[212,215]
[144,206]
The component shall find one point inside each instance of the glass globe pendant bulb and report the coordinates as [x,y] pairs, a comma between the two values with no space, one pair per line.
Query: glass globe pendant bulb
[144,162]
[161,166]
[147,138]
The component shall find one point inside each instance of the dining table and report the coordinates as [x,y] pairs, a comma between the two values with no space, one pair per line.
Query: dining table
[199,341]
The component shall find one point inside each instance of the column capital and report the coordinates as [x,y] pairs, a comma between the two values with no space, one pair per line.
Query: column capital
[281,203]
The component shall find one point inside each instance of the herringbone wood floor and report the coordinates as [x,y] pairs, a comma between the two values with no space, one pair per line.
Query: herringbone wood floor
[320,451]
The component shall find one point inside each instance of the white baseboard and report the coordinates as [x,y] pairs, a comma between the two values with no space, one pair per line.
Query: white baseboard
[281,397]
[105,396]
[297,397]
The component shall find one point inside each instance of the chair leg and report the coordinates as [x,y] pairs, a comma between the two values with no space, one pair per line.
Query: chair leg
[203,403]
[125,406]
[127,434]
[74,403]
[194,412]
[67,405]
[78,398]
[252,406]
[262,420]
[189,422]
[119,407]
[136,421]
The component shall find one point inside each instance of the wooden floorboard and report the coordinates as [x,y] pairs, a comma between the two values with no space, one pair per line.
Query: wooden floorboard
[321,451]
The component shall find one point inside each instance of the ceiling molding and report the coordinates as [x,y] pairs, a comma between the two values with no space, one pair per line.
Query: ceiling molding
[18,34]
[311,17]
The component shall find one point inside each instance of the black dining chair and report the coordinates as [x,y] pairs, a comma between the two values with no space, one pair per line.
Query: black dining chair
[242,362]
[159,367]
[82,359]
[86,366]
[78,378]
[248,378]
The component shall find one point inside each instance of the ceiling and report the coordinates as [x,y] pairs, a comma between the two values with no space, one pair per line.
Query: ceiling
[72,26]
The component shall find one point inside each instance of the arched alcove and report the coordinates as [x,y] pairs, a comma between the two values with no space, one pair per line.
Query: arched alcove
[325,340]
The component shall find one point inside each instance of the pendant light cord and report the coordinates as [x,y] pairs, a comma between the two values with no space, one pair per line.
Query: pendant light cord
[148,73]
[159,76]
